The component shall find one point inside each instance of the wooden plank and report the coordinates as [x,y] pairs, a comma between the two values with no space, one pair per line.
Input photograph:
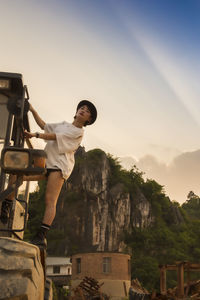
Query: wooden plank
[125,289]
[180,279]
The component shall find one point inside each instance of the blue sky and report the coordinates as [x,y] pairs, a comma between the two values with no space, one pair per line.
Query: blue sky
[138,61]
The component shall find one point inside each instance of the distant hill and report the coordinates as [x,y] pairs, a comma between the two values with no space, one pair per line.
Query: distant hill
[103,207]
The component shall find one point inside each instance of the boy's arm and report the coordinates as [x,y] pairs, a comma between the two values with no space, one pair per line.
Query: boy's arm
[37,118]
[44,136]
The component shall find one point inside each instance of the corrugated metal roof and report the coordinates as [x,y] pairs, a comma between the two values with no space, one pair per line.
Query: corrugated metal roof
[59,261]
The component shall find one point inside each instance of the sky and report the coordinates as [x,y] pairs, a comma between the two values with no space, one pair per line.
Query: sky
[137,60]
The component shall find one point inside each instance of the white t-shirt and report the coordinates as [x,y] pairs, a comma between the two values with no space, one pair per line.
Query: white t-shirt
[60,152]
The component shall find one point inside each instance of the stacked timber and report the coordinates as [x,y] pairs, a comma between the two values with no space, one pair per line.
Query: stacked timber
[89,289]
[191,291]
[137,292]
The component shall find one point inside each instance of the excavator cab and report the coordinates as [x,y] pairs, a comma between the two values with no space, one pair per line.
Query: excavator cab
[22,264]
[15,158]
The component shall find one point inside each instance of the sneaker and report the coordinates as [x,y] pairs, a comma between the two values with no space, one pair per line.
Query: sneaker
[40,241]
[5,210]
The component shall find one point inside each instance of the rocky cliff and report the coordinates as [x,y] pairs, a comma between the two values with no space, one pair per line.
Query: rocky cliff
[94,211]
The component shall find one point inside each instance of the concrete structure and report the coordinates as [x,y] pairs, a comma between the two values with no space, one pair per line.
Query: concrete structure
[112,269]
[59,270]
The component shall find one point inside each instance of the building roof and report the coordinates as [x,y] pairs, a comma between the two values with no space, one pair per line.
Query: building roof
[59,261]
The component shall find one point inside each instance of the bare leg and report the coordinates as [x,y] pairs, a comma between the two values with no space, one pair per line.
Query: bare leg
[12,180]
[7,203]
[53,188]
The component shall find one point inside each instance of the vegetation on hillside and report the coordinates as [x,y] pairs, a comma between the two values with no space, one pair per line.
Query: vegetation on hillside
[165,242]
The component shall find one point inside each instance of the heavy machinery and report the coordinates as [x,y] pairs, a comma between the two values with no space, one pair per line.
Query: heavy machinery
[22,265]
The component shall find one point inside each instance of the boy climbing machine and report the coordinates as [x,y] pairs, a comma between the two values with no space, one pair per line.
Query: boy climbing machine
[22,271]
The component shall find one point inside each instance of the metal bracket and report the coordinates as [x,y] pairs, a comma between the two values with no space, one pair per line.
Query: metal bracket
[25,217]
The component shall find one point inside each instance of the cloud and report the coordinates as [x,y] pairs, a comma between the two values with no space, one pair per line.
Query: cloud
[178,178]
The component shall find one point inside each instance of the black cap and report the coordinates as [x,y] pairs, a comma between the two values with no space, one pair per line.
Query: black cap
[91,108]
